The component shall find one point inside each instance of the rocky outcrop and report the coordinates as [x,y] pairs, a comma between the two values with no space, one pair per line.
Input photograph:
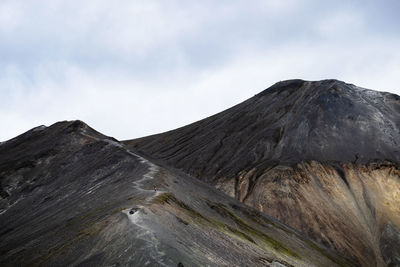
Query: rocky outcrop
[322,157]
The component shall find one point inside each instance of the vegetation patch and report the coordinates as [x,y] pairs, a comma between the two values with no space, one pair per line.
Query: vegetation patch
[245,232]
[240,234]
[168,198]
[257,217]
[251,231]
[164,198]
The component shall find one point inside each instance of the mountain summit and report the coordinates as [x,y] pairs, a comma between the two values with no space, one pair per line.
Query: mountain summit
[292,121]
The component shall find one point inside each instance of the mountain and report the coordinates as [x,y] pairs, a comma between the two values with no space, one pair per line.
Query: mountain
[70,196]
[322,157]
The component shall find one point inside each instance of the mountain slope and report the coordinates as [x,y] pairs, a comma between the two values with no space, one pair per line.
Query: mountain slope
[322,157]
[288,123]
[72,196]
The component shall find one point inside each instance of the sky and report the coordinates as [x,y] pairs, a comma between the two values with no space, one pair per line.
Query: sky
[131,68]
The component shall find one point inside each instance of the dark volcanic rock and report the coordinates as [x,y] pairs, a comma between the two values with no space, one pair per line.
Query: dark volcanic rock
[322,157]
[67,196]
[288,123]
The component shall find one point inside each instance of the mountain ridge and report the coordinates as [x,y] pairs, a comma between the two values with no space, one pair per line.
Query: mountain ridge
[71,196]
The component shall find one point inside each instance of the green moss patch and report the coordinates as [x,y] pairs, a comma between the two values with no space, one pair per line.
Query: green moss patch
[168,198]
[240,234]
[257,217]
[251,231]
[245,232]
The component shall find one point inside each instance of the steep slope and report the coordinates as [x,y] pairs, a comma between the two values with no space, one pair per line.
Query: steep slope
[72,196]
[322,157]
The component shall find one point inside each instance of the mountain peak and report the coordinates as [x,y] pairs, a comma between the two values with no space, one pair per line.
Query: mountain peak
[73,126]
[297,84]
[292,121]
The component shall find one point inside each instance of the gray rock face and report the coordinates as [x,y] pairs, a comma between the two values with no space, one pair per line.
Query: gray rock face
[71,196]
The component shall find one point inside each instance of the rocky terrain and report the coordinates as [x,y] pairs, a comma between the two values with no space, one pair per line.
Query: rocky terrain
[302,174]
[71,196]
[322,157]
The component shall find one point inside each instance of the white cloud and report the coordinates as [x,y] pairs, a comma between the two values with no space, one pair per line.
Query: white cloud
[140,67]
[10,15]
[343,23]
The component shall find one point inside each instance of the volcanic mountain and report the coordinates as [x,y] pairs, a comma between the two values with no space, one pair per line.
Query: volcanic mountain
[71,196]
[322,157]
[302,174]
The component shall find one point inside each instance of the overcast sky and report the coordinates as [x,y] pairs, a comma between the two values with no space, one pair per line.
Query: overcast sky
[132,68]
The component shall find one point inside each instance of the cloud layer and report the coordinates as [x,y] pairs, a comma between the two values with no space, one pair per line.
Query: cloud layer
[133,68]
